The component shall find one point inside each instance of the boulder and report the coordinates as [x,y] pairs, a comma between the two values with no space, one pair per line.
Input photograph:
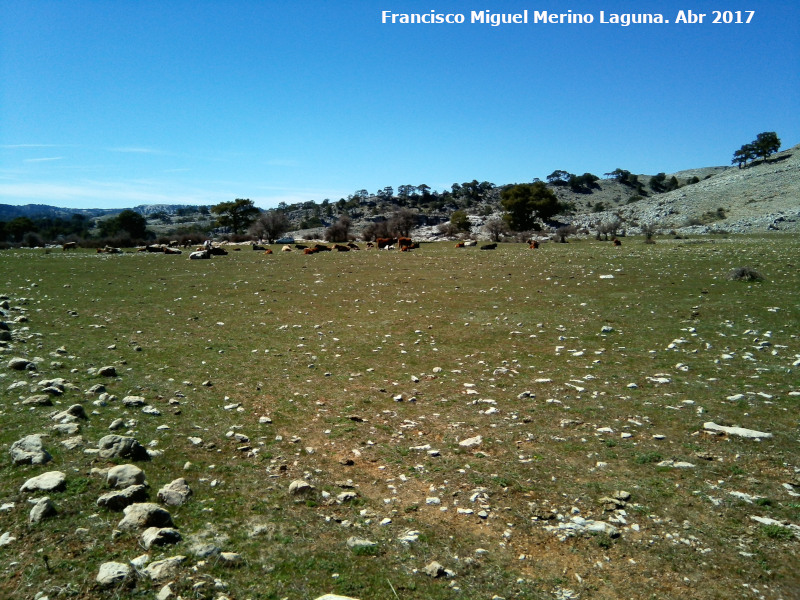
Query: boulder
[29,451]
[164,569]
[43,509]
[122,476]
[120,499]
[160,536]
[53,481]
[21,364]
[118,446]
[38,400]
[175,493]
[113,573]
[144,514]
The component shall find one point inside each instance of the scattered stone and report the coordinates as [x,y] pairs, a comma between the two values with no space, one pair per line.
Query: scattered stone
[96,389]
[29,451]
[334,597]
[113,574]
[6,539]
[107,371]
[117,446]
[434,569]
[740,431]
[175,493]
[21,364]
[134,401]
[144,514]
[122,476]
[119,499]
[300,487]
[357,542]
[164,569]
[43,509]
[53,481]
[160,536]
[38,400]
[471,442]
[676,464]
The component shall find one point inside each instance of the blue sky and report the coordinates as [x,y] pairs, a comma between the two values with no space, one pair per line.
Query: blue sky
[112,104]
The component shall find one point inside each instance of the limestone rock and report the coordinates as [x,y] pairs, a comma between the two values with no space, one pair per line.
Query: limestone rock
[122,476]
[21,364]
[434,569]
[29,451]
[471,442]
[160,536]
[43,509]
[117,446]
[740,431]
[120,499]
[175,493]
[113,573]
[164,569]
[107,371]
[53,481]
[299,487]
[38,400]
[144,514]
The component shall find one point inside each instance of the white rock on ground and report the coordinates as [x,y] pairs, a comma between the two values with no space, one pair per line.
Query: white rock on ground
[53,481]
[113,573]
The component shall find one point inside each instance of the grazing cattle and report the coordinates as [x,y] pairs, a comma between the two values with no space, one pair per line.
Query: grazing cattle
[268,251]
[385,242]
[404,242]
[534,245]
[198,254]
[300,246]
[460,245]
[173,243]
[187,243]
[340,248]
[353,246]
[321,248]
[488,246]
[310,250]
[616,242]
[172,251]
[216,251]
[257,247]
[286,249]
[69,246]
[109,250]
[370,245]
[470,243]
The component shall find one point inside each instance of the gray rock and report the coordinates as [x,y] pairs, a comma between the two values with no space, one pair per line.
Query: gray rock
[117,446]
[119,499]
[43,509]
[66,428]
[6,539]
[164,569]
[116,424]
[113,573]
[21,364]
[144,514]
[175,493]
[434,569]
[38,400]
[122,476]
[160,536]
[300,487]
[740,431]
[107,371]
[97,388]
[134,401]
[29,451]
[53,481]
[357,542]
[73,442]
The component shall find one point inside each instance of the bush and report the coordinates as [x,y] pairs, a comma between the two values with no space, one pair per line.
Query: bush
[745,274]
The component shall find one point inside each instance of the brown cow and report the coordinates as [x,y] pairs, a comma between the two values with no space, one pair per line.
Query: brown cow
[310,250]
[340,248]
[404,242]
[385,242]
[460,245]
[534,245]
[268,251]
[353,246]
[321,248]
[69,246]
[616,242]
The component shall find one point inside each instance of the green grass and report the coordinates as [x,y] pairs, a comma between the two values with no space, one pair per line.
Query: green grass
[312,341]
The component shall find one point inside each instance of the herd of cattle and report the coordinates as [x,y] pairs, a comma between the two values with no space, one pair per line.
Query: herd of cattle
[207,250]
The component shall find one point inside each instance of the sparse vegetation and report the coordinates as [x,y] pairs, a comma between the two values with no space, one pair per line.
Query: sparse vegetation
[579,388]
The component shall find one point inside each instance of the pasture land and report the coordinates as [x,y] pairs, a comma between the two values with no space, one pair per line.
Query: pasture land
[586,369]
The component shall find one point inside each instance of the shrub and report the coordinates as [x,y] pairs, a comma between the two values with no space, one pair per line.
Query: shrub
[745,274]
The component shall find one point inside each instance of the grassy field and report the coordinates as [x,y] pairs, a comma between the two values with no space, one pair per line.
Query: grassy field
[586,369]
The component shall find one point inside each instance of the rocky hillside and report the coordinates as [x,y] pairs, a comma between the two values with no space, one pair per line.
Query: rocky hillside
[762,197]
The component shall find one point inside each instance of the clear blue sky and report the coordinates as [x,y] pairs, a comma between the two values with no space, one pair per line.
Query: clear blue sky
[112,104]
